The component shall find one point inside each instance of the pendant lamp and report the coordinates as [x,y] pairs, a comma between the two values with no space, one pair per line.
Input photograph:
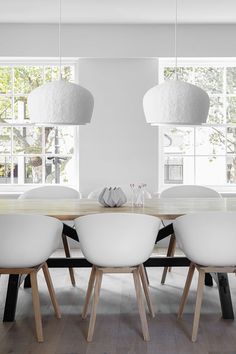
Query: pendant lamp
[60,102]
[176,102]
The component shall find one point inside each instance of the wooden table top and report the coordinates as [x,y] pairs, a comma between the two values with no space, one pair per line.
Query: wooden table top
[70,209]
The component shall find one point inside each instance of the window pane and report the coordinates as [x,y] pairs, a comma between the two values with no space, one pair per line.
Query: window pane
[5,170]
[216,112]
[59,169]
[27,170]
[211,170]
[210,141]
[68,73]
[231,110]
[184,73]
[5,109]
[27,78]
[231,80]
[59,140]
[209,79]
[51,73]
[5,80]
[231,169]
[20,108]
[5,140]
[27,140]
[231,140]
[178,170]
[33,169]
[179,140]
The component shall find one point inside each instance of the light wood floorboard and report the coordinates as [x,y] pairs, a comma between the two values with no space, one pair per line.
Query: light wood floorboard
[118,329]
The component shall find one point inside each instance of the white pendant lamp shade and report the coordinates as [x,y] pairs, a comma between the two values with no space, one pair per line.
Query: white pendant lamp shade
[60,102]
[176,102]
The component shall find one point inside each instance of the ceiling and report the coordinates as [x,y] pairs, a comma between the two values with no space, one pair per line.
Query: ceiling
[117,11]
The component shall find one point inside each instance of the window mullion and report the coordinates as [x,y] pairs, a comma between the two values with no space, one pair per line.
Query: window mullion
[13,118]
[43,156]
[194,139]
[225,118]
[194,154]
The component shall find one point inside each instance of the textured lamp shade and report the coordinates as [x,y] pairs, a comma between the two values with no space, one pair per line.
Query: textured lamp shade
[177,103]
[60,102]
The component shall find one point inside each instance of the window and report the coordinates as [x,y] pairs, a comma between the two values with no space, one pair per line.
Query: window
[204,154]
[32,154]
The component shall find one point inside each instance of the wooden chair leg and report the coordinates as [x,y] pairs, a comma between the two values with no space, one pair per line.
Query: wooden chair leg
[146,274]
[146,289]
[36,305]
[141,308]
[67,253]
[89,292]
[197,312]
[51,290]
[186,289]
[98,276]
[169,252]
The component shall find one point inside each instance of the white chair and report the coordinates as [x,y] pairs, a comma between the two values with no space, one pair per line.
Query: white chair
[55,192]
[117,243]
[26,242]
[200,237]
[184,191]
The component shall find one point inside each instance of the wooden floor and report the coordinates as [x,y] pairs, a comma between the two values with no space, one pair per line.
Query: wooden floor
[118,329]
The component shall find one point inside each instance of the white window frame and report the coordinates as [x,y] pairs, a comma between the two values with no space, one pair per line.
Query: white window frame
[9,61]
[192,62]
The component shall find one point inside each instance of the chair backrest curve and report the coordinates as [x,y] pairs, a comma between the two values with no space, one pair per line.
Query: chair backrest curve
[189,191]
[51,192]
[27,240]
[208,238]
[117,239]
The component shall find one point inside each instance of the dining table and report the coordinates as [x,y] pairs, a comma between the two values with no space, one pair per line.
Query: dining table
[165,209]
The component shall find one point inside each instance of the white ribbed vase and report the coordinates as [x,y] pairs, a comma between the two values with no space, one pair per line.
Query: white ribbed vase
[176,102]
[60,102]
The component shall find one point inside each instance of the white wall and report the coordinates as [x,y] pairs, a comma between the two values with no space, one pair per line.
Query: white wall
[117,41]
[118,147]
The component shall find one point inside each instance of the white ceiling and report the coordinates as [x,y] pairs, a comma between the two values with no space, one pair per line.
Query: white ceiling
[117,11]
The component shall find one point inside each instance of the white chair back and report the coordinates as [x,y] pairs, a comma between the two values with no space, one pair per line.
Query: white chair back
[208,239]
[27,240]
[51,192]
[117,239]
[189,191]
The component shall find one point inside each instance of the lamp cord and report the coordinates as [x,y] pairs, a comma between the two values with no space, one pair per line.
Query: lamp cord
[59,41]
[176,18]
